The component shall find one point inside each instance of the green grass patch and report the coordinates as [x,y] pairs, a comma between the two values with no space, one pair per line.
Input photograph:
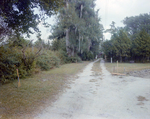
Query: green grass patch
[35,92]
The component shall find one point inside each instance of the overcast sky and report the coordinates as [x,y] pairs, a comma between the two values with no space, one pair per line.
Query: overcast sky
[111,10]
[117,10]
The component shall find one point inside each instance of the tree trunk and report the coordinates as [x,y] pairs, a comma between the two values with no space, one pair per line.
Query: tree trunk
[69,48]
[89,44]
[72,51]
[120,59]
[79,43]
[148,58]
[143,58]
[81,8]
[67,43]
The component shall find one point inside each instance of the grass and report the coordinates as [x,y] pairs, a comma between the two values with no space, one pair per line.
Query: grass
[35,92]
[97,71]
[128,67]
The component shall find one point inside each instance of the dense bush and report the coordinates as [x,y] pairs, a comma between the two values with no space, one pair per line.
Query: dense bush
[65,59]
[12,58]
[47,60]
[21,55]
[9,60]
[62,55]
[87,55]
[74,59]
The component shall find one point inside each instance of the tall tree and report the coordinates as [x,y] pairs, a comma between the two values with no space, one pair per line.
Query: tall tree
[79,23]
[122,44]
[141,45]
[135,24]
[112,29]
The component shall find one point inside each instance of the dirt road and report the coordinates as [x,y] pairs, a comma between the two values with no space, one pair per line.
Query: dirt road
[102,97]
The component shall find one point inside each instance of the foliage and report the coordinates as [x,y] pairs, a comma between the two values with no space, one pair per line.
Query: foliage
[79,25]
[142,44]
[135,24]
[19,14]
[108,49]
[62,55]
[22,55]
[122,44]
[87,55]
[47,60]
[4,30]
[58,45]
[130,42]
[74,59]
[112,29]
[10,60]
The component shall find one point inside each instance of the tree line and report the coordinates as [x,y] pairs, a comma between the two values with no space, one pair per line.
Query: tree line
[76,35]
[131,42]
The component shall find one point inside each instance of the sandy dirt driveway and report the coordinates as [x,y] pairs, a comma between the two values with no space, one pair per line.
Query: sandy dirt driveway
[102,97]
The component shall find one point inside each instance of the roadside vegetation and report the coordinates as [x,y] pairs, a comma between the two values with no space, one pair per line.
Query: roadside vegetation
[36,92]
[45,67]
[73,39]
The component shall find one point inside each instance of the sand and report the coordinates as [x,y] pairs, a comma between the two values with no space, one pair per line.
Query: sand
[102,97]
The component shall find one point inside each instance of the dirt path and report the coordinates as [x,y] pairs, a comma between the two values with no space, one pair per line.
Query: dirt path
[102,97]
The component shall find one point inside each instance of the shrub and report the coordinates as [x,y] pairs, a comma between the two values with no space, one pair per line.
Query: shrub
[74,59]
[62,55]
[87,55]
[90,55]
[47,60]
[12,59]
[65,59]
[9,62]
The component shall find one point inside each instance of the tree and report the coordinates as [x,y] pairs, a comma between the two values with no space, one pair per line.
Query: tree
[79,24]
[112,29]
[108,49]
[122,44]
[19,14]
[4,30]
[135,24]
[142,45]
[58,44]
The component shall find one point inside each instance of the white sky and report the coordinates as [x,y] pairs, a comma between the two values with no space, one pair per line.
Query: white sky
[110,10]
[117,10]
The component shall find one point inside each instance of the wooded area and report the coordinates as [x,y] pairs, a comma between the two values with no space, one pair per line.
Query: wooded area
[131,42]
[77,35]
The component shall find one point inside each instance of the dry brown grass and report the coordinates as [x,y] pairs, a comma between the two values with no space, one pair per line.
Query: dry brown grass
[35,92]
[96,69]
[128,67]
